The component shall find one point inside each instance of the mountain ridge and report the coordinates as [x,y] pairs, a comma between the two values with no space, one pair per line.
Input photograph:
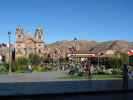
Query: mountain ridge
[86,46]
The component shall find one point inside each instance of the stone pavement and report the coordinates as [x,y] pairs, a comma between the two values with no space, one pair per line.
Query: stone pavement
[31,77]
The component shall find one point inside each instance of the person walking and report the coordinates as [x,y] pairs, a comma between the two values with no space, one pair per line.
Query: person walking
[30,68]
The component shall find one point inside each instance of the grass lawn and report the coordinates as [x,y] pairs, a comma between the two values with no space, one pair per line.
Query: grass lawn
[94,77]
[106,77]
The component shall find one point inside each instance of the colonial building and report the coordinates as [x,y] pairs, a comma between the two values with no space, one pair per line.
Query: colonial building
[27,44]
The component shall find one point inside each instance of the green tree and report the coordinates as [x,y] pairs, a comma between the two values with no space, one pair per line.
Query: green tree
[21,64]
[35,59]
[22,61]
[124,58]
[118,60]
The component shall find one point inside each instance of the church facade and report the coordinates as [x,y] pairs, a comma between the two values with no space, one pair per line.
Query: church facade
[27,44]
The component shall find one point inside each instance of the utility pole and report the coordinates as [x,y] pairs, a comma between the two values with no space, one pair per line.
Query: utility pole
[10,69]
[125,77]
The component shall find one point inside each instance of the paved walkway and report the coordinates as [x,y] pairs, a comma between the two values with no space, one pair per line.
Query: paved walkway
[32,77]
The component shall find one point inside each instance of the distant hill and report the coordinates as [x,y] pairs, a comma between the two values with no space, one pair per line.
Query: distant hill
[84,46]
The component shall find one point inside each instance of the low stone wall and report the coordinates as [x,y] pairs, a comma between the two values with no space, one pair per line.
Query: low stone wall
[57,87]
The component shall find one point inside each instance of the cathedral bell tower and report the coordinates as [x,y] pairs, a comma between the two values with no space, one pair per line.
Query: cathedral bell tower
[39,34]
[19,34]
[19,41]
[39,40]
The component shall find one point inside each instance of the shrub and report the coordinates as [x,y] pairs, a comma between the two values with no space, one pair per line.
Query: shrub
[3,68]
[100,73]
[41,68]
[35,59]
[21,68]
[21,64]
[75,69]
[108,71]
[38,69]
[80,73]
[116,72]
[22,61]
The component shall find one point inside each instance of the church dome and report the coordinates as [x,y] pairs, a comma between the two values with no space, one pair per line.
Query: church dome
[39,28]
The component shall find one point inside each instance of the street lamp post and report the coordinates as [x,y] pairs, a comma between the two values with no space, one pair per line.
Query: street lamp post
[98,60]
[75,51]
[9,35]
[99,54]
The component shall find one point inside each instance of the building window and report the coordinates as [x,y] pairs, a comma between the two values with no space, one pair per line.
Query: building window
[19,36]
[18,45]
[39,51]
[40,37]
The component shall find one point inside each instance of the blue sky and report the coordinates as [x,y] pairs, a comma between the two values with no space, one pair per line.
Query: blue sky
[99,20]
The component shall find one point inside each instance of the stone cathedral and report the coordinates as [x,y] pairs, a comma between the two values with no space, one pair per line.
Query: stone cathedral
[27,44]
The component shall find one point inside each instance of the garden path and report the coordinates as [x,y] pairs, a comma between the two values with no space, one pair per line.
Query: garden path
[31,77]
